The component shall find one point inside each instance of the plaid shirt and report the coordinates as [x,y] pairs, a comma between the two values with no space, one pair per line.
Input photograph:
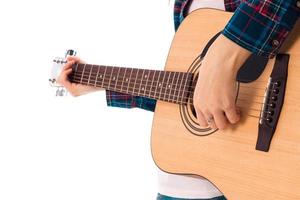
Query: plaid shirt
[261,26]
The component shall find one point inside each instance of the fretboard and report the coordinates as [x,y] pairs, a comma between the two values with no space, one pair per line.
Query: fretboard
[161,85]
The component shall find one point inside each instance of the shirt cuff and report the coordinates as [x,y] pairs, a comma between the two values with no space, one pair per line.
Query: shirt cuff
[116,99]
[262,26]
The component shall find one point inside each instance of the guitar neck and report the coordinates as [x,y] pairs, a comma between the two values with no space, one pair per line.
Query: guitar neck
[167,86]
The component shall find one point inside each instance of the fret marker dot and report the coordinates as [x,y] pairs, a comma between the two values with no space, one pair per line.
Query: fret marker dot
[114,78]
[143,88]
[126,79]
[100,76]
[159,84]
[169,86]
[145,76]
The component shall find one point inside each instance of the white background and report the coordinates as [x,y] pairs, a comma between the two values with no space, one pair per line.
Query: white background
[76,148]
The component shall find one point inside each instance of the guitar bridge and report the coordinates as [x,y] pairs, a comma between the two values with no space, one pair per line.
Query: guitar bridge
[273,102]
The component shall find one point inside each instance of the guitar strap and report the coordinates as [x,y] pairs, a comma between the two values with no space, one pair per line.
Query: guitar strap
[250,70]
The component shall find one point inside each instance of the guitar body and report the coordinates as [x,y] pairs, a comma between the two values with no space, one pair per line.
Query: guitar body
[228,158]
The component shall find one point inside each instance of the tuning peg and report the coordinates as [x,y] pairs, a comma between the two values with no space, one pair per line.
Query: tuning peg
[58,64]
[61,91]
[62,61]
[70,52]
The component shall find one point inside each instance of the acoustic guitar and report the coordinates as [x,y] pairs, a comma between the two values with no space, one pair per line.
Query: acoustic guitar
[256,159]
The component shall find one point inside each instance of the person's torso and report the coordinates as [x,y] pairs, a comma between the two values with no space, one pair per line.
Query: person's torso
[185,186]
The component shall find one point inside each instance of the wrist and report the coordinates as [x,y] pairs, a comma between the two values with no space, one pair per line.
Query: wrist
[233,53]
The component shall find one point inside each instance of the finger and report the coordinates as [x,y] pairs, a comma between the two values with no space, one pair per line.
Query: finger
[210,120]
[232,115]
[69,65]
[220,119]
[201,119]
[67,73]
[64,80]
[75,58]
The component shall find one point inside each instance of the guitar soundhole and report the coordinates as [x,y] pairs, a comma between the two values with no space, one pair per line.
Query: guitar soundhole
[193,110]
[188,112]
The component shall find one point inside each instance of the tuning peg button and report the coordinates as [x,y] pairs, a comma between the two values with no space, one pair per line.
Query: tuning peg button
[70,52]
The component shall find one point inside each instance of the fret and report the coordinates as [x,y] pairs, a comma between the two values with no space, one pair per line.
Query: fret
[90,75]
[129,80]
[168,85]
[162,85]
[158,84]
[110,77]
[114,80]
[146,85]
[124,75]
[136,77]
[94,69]
[153,77]
[141,83]
[132,81]
[183,93]
[176,88]
[179,89]
[100,72]
[173,86]
[96,79]
[82,73]
[103,76]
[83,76]
[117,78]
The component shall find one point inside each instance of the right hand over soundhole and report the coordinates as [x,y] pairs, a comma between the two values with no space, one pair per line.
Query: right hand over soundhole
[74,88]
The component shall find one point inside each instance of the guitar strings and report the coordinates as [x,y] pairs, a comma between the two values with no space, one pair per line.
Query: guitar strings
[174,75]
[124,67]
[94,78]
[164,94]
[87,77]
[152,85]
[245,108]
[260,96]
[253,87]
[190,102]
[175,90]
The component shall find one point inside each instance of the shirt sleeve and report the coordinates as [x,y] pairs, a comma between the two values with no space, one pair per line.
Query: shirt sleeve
[121,100]
[262,26]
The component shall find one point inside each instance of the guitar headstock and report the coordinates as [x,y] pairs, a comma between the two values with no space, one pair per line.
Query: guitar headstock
[57,66]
